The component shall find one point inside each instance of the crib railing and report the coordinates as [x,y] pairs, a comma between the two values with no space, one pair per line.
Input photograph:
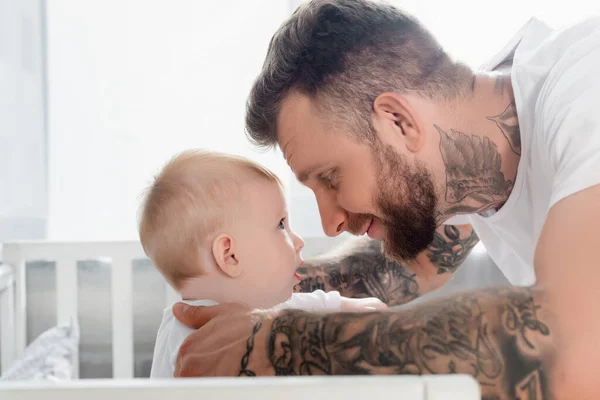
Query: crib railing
[66,255]
[455,387]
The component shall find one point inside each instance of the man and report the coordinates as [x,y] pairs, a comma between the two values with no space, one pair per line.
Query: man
[398,141]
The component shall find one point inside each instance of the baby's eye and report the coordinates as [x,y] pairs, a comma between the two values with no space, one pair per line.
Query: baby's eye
[282,223]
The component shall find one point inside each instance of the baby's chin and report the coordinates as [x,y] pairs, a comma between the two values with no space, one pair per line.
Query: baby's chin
[293,289]
[289,293]
[285,296]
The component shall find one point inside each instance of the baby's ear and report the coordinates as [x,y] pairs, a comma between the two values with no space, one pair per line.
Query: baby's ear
[224,250]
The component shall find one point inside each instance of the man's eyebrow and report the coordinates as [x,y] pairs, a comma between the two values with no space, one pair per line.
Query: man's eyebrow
[303,176]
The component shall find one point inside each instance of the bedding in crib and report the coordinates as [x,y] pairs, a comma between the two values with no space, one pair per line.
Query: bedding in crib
[50,357]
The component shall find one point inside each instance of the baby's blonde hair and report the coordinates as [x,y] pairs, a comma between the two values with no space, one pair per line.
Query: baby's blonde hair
[187,204]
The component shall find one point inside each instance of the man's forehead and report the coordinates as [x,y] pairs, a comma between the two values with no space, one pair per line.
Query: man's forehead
[302,134]
[303,157]
[294,125]
[292,157]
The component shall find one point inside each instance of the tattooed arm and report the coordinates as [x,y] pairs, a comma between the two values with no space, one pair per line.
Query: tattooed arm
[505,338]
[502,337]
[361,270]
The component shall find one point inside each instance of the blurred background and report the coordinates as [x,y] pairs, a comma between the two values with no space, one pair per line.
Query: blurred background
[96,95]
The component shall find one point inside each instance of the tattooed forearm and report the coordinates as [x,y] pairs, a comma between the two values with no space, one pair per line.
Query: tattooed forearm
[310,358]
[448,250]
[361,272]
[501,337]
[244,371]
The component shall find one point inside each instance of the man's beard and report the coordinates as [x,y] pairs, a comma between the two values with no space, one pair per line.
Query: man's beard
[407,205]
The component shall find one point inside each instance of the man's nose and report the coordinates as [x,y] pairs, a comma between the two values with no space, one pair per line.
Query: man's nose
[333,217]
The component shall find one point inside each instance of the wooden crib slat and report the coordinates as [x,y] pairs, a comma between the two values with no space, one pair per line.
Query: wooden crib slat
[67,291]
[122,317]
[7,312]
[13,256]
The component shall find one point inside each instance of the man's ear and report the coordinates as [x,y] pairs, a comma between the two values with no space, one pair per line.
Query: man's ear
[224,252]
[399,121]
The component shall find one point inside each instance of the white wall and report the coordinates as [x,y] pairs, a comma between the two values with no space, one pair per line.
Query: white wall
[23,200]
[474,30]
[131,82]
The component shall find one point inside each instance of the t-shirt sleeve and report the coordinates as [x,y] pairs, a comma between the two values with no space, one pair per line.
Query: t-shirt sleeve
[571,123]
[315,301]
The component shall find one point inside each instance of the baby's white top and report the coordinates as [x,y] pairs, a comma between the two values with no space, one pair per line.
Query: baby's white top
[172,333]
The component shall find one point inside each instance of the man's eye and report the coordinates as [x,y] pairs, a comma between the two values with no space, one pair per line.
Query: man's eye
[328,180]
[282,223]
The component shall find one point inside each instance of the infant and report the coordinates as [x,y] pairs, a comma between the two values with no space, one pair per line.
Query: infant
[216,226]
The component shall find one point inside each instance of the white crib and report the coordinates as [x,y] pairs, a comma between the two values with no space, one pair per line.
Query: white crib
[457,387]
[120,254]
[13,326]
[66,255]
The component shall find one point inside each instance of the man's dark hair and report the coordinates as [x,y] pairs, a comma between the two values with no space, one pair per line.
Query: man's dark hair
[343,54]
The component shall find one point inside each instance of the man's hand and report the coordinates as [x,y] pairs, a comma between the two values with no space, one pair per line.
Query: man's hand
[224,343]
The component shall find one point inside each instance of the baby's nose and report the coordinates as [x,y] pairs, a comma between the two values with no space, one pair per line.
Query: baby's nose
[298,244]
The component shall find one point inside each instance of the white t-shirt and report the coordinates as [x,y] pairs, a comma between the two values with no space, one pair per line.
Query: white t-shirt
[555,77]
[172,333]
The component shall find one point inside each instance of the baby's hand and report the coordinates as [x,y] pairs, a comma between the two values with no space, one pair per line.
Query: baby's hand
[368,304]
